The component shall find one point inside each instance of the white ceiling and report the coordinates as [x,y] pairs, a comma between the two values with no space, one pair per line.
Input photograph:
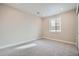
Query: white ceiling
[44,9]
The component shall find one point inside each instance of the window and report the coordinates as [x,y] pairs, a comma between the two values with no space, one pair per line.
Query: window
[55,24]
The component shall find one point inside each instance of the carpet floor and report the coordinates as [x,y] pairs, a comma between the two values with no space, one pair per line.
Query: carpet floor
[41,47]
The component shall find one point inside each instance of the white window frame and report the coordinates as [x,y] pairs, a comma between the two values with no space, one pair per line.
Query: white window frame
[55,19]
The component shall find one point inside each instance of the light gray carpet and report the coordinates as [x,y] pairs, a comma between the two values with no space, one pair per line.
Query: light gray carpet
[44,48]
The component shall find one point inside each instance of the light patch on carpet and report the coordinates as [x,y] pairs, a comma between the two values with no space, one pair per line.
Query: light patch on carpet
[27,46]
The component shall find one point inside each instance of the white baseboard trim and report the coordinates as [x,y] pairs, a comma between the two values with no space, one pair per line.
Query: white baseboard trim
[61,41]
[15,44]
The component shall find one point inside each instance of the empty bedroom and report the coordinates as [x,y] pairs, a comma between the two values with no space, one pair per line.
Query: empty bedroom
[38,29]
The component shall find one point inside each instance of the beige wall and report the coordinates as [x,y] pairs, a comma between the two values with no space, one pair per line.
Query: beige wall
[68,27]
[17,26]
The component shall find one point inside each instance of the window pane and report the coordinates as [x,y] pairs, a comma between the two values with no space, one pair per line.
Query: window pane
[55,24]
[57,27]
[53,28]
[52,22]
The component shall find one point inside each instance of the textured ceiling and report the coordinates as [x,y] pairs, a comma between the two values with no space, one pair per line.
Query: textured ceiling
[44,9]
